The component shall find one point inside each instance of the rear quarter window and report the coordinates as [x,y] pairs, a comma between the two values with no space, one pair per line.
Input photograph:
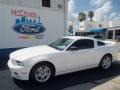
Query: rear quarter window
[99,43]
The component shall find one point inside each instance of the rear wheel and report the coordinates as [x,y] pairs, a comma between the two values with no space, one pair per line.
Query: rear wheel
[106,62]
[41,73]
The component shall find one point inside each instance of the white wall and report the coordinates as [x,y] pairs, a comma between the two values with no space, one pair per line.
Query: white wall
[86,26]
[53,19]
[114,23]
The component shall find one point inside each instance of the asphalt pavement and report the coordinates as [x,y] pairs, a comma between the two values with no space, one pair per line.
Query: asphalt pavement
[82,80]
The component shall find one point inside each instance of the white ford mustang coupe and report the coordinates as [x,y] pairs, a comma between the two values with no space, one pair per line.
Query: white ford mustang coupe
[68,54]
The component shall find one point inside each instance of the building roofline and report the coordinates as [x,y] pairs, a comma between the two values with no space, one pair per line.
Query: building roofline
[113,27]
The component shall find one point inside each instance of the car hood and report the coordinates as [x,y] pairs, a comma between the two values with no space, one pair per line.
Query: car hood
[30,52]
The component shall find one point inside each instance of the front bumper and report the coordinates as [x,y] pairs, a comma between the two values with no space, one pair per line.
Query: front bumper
[18,72]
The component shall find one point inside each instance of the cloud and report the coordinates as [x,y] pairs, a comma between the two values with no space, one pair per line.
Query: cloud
[71,9]
[112,15]
[103,12]
[97,3]
[72,15]
[117,17]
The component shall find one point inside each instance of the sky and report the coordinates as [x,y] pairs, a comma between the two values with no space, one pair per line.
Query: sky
[103,9]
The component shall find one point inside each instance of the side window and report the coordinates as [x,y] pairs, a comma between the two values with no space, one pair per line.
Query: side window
[84,44]
[100,43]
[46,3]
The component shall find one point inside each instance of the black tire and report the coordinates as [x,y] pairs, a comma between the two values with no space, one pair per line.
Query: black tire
[106,62]
[32,76]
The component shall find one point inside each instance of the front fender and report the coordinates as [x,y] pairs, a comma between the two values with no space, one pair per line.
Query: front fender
[58,62]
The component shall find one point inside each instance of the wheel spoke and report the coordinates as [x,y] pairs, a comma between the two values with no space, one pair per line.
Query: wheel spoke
[46,69]
[47,74]
[37,75]
[42,78]
[39,70]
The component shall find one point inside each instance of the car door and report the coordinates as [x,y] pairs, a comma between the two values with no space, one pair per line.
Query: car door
[80,54]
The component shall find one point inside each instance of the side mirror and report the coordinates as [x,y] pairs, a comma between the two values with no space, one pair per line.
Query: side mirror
[73,48]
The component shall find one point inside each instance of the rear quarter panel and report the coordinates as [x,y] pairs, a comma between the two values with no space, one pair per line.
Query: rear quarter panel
[107,49]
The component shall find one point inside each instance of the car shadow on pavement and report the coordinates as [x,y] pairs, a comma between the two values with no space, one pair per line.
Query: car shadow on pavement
[82,80]
[3,63]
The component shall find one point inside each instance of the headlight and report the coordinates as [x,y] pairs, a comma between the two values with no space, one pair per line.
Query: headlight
[19,63]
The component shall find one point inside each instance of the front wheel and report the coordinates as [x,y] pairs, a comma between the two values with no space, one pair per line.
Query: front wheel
[41,73]
[106,62]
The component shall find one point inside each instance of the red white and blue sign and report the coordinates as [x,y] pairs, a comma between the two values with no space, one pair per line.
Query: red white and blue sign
[27,23]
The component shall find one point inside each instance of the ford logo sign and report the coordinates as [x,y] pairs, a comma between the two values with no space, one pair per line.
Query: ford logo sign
[29,28]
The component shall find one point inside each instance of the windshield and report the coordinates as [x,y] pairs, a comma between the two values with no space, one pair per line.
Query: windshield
[61,43]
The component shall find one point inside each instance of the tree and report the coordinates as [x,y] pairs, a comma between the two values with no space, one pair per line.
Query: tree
[91,15]
[70,29]
[81,16]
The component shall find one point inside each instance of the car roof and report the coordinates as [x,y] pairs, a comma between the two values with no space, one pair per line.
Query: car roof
[78,37]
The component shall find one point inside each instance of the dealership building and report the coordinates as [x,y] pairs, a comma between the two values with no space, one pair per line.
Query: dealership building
[25,23]
[106,29]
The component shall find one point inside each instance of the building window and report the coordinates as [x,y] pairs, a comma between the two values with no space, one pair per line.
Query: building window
[110,34]
[59,6]
[46,3]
